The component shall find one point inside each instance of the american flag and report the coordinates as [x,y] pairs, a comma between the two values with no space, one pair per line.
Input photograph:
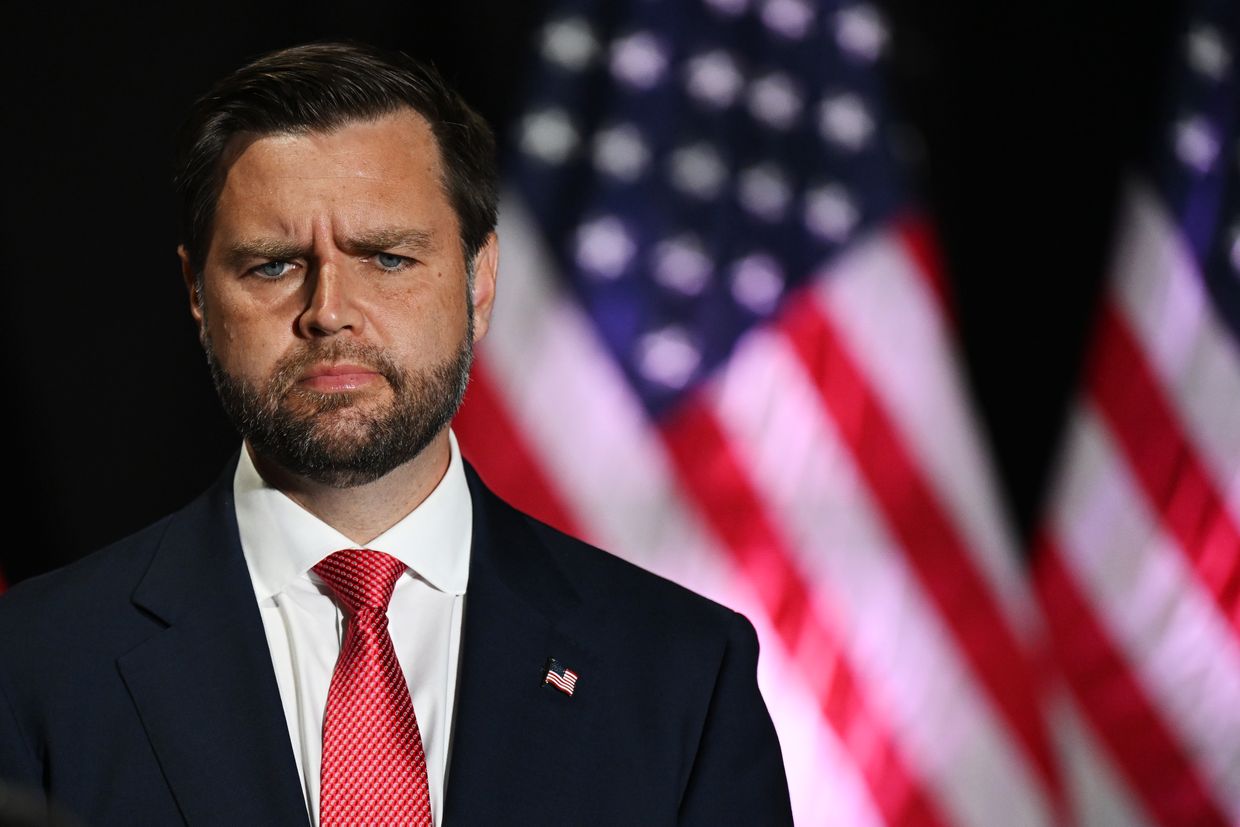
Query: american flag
[1139,557]
[721,349]
[557,675]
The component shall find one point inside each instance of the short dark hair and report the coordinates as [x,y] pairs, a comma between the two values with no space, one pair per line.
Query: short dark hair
[320,87]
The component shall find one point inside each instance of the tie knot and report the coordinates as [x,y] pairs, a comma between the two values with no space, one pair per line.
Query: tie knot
[360,577]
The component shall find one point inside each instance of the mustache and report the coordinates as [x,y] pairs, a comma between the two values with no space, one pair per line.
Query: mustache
[294,364]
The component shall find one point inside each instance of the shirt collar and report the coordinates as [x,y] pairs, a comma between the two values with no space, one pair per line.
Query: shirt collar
[282,541]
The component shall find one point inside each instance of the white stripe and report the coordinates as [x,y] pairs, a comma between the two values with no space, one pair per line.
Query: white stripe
[590,433]
[1162,295]
[898,336]
[902,651]
[1097,797]
[1179,646]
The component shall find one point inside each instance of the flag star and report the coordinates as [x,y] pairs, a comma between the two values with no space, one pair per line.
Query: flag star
[844,121]
[1208,52]
[757,283]
[732,8]
[830,212]
[638,60]
[668,357]
[774,100]
[621,152]
[681,264]
[698,170]
[860,31]
[569,42]
[1196,143]
[790,18]
[604,247]
[764,191]
[548,135]
[713,78]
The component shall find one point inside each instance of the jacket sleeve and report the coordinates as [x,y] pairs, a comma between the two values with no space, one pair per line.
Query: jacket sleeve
[738,772]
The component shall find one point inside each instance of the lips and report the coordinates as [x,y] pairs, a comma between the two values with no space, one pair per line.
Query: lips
[339,377]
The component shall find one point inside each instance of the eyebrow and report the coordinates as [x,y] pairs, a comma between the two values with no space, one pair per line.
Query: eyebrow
[273,249]
[387,238]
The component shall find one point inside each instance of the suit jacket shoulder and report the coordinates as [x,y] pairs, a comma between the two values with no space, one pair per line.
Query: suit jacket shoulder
[666,701]
[75,605]
[136,686]
[615,584]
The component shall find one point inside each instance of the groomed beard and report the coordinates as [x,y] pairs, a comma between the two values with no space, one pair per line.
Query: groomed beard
[326,437]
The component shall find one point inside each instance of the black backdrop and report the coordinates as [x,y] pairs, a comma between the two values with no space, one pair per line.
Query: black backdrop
[1027,114]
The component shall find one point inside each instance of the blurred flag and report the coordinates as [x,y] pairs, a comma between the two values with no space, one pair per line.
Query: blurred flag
[1139,558]
[721,350]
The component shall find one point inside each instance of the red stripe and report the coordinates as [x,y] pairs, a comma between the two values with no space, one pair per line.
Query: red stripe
[715,480]
[491,441]
[922,245]
[1162,458]
[932,547]
[1157,769]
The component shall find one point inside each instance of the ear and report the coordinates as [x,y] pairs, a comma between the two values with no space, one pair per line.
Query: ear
[191,287]
[486,268]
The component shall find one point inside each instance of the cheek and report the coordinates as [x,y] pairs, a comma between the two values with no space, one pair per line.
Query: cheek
[425,318]
[247,343]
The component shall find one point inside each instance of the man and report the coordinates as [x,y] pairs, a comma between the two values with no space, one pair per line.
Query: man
[348,627]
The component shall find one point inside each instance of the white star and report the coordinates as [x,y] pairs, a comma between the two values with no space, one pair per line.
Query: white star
[844,120]
[569,42]
[548,135]
[764,191]
[830,212]
[713,78]
[757,283]
[621,152]
[1208,52]
[681,263]
[638,60]
[698,170]
[860,31]
[668,357]
[604,247]
[774,100]
[790,18]
[1196,143]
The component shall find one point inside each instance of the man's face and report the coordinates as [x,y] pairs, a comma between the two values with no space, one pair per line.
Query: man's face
[335,309]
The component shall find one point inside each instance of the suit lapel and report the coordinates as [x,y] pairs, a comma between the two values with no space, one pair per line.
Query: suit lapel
[204,686]
[516,743]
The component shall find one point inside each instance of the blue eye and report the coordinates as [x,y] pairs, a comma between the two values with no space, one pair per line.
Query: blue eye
[391,261]
[272,269]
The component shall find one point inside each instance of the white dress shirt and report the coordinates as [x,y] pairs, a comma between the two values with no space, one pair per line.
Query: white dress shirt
[305,627]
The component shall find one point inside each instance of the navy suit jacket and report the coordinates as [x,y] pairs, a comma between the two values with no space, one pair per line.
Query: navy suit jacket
[136,687]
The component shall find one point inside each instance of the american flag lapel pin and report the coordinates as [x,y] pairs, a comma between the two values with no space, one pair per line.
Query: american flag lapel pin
[558,675]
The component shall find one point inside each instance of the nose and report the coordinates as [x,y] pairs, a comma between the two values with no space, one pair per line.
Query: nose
[331,308]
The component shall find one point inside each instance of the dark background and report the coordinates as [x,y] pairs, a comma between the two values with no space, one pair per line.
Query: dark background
[1027,114]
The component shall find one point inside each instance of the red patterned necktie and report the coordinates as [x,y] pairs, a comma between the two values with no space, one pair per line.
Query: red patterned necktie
[374,770]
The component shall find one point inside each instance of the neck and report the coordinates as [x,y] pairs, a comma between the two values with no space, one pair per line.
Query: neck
[363,512]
